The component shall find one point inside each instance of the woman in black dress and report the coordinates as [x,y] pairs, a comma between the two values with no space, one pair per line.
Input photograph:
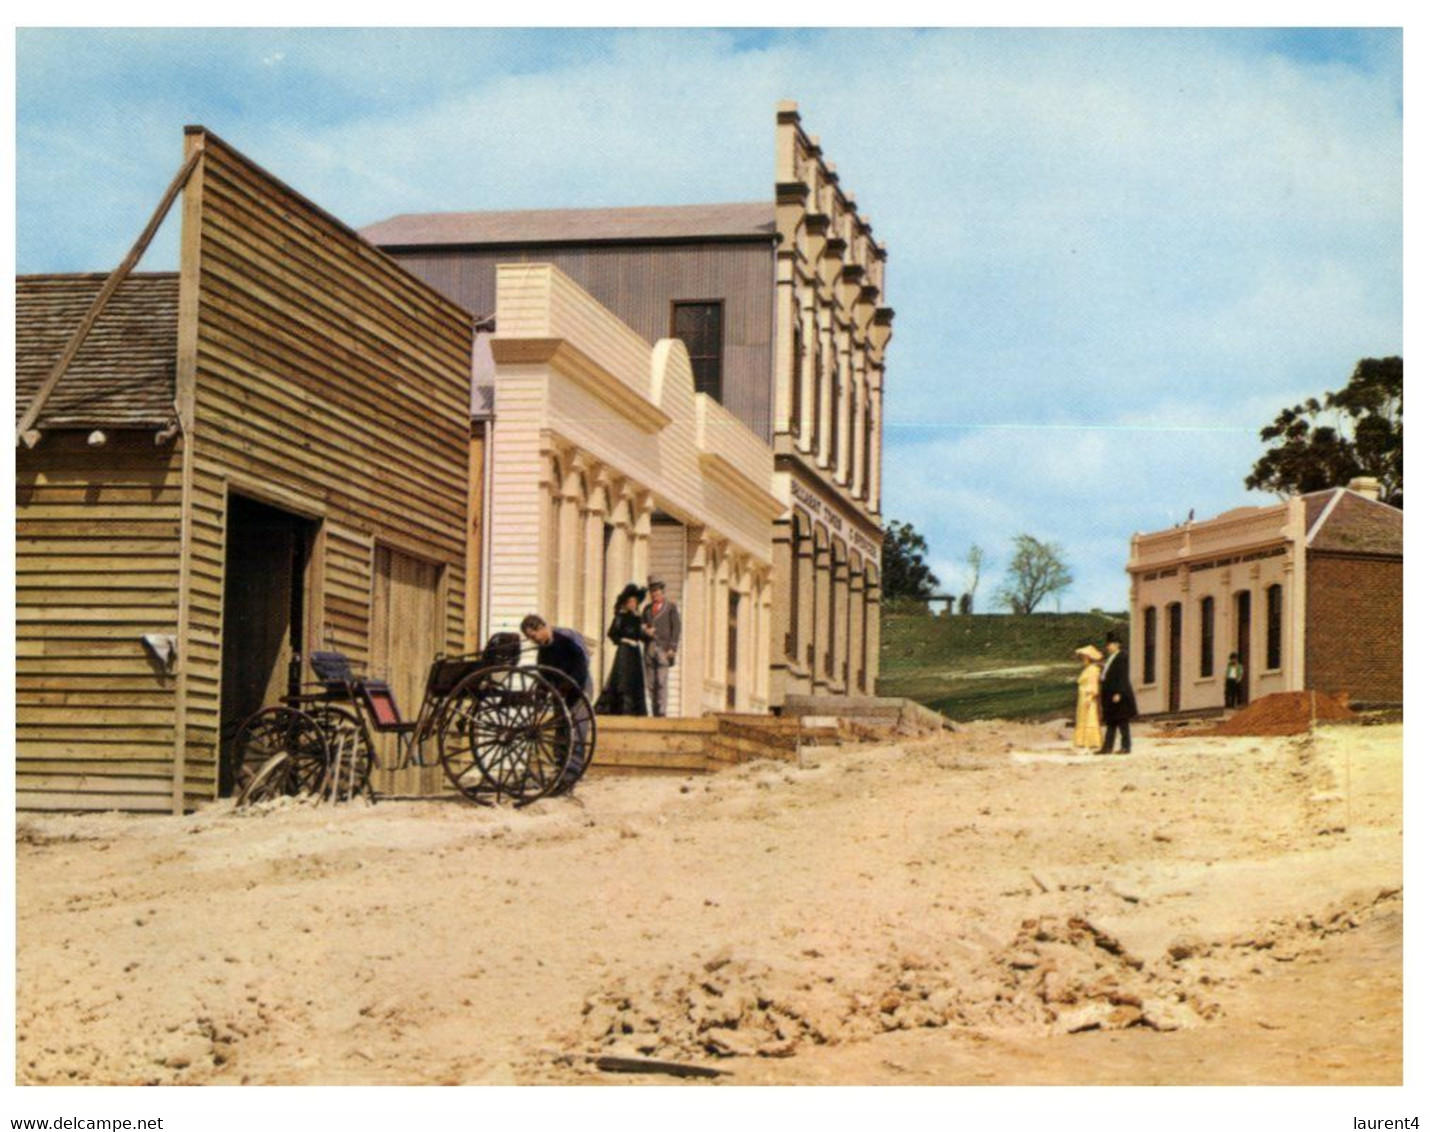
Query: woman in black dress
[624,693]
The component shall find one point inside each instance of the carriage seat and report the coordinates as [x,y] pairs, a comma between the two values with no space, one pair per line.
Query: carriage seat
[336,673]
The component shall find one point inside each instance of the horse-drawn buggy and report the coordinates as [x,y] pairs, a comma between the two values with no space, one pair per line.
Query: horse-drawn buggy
[498,728]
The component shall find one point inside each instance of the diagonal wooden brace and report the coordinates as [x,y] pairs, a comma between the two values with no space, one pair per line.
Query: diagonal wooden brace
[25,431]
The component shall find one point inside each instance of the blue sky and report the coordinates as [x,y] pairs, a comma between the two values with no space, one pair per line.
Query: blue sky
[1114,254]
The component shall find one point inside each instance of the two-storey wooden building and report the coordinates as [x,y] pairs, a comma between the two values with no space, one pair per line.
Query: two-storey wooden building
[780,306]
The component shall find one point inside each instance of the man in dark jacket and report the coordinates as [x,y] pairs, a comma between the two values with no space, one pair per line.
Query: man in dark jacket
[565,651]
[560,649]
[1119,705]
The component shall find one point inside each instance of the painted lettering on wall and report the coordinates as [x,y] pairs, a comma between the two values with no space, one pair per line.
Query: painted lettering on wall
[820,511]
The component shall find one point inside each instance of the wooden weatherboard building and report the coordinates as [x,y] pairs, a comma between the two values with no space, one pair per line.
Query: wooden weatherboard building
[261,455]
[781,307]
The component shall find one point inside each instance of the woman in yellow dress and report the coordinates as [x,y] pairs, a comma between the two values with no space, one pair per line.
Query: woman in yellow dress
[1088,732]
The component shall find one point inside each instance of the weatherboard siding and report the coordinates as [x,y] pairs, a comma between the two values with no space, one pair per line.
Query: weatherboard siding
[327,382]
[97,567]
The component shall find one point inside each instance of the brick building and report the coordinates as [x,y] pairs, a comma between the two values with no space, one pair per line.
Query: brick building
[1307,592]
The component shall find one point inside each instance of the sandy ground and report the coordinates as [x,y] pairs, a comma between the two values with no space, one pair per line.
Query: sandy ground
[977,908]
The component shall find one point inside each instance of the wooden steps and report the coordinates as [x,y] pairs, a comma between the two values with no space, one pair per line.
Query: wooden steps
[635,744]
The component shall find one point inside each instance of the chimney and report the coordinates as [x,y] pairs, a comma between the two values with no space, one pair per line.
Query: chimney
[1367,487]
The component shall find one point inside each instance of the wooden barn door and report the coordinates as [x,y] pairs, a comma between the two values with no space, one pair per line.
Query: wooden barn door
[407,606]
[266,553]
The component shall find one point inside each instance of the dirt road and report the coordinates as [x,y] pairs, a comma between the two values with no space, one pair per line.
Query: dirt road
[977,908]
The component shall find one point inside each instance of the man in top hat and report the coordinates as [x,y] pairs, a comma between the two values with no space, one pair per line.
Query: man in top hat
[1119,705]
[660,622]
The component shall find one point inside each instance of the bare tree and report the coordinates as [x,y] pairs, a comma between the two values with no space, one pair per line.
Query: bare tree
[974,559]
[1037,571]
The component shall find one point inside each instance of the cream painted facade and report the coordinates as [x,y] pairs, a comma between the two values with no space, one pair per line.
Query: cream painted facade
[605,466]
[1219,581]
[832,330]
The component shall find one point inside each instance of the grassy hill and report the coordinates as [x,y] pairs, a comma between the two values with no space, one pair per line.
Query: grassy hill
[989,665]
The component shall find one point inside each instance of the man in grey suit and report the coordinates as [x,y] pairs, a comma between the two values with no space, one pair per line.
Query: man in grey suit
[660,622]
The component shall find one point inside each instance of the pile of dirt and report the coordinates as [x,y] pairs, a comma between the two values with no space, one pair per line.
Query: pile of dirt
[1070,976]
[1287,713]
[724,1008]
[1058,975]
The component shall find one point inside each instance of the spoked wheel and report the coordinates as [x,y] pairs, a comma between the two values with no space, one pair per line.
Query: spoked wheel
[504,731]
[581,745]
[351,750]
[285,753]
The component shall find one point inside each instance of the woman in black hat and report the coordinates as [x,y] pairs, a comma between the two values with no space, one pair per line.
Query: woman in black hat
[624,693]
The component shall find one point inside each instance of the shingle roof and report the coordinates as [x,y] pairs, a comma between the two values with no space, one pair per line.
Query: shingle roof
[123,375]
[577,225]
[1354,524]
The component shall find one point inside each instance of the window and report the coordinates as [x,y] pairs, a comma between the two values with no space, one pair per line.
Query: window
[868,446]
[700,327]
[792,639]
[852,432]
[796,387]
[1149,645]
[1273,627]
[1208,665]
[817,403]
[836,419]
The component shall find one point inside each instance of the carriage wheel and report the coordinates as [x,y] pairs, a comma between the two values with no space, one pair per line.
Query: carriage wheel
[352,754]
[583,722]
[286,753]
[504,731]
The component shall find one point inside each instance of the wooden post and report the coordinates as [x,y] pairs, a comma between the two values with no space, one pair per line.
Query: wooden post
[96,308]
[185,378]
[476,511]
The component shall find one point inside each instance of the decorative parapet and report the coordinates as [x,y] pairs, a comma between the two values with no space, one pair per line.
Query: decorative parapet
[544,316]
[819,223]
[734,456]
[570,375]
[1233,532]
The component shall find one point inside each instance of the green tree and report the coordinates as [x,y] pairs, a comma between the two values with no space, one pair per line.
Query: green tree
[904,571]
[1364,437]
[1036,571]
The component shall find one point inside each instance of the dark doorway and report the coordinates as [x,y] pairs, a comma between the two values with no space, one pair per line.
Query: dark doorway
[1243,641]
[265,564]
[732,656]
[1174,656]
[600,658]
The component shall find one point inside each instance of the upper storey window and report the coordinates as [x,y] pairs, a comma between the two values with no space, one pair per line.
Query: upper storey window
[700,325]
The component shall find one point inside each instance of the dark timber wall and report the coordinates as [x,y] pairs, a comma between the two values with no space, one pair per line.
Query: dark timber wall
[638,283]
